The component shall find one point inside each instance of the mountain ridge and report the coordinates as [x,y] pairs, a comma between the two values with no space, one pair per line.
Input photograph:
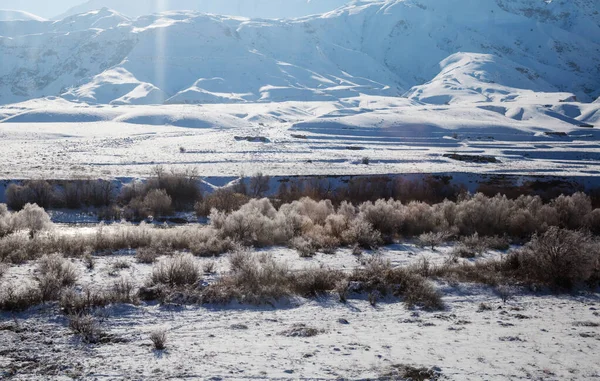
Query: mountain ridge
[386,48]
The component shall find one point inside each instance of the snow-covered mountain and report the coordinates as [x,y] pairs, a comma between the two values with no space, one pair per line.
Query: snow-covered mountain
[15,15]
[434,51]
[245,8]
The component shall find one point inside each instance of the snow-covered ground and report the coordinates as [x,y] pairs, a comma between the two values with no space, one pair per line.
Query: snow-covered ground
[532,336]
[53,138]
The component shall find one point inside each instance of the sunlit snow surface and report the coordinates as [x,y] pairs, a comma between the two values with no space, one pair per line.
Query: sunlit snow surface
[58,139]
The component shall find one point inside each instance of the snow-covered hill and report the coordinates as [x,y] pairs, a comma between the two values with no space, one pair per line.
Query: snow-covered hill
[15,15]
[473,78]
[508,50]
[245,8]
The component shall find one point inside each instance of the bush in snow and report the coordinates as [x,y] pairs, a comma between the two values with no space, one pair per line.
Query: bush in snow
[361,232]
[158,203]
[180,270]
[14,299]
[159,339]
[384,216]
[55,273]
[432,239]
[558,258]
[223,200]
[33,218]
[181,186]
[259,185]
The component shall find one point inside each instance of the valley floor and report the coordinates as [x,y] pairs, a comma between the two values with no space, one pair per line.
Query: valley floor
[363,135]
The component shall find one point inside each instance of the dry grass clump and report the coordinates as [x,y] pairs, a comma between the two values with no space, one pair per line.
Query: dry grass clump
[147,255]
[159,339]
[74,302]
[55,274]
[409,372]
[87,328]
[259,279]
[379,276]
[180,270]
[317,281]
[14,299]
[254,279]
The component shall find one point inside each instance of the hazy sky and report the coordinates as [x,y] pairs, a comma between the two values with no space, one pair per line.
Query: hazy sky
[43,8]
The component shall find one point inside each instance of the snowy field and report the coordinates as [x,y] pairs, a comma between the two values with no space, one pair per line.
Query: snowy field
[462,87]
[531,336]
[56,139]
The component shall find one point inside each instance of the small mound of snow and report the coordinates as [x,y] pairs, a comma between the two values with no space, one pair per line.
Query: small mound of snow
[178,119]
[61,116]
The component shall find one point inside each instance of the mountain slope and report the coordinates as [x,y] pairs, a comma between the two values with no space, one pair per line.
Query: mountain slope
[14,15]
[245,8]
[375,48]
[472,78]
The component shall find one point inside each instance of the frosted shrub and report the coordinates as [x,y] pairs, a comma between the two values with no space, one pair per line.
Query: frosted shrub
[572,209]
[208,243]
[522,223]
[321,240]
[592,221]
[361,232]
[558,258]
[17,196]
[33,218]
[347,210]
[295,223]
[483,215]
[7,222]
[253,224]
[158,203]
[253,279]
[304,247]
[248,227]
[336,225]
[432,239]
[384,216]
[181,186]
[420,218]
[317,212]
[56,273]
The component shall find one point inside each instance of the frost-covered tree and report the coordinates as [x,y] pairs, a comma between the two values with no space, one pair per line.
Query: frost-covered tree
[33,218]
